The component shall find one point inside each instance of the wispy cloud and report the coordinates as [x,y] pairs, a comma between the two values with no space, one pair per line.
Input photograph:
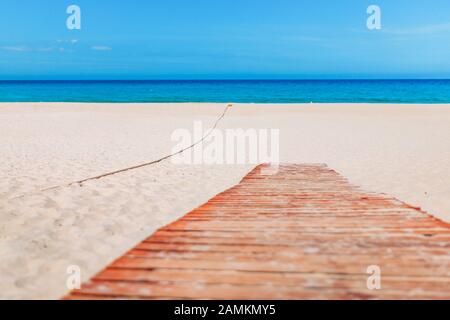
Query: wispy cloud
[48,49]
[423,30]
[101,48]
[15,48]
[27,49]
[59,45]
[301,38]
[71,41]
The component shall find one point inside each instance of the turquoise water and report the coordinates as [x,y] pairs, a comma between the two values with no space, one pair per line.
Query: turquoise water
[256,91]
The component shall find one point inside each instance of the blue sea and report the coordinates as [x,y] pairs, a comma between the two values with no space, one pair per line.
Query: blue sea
[240,91]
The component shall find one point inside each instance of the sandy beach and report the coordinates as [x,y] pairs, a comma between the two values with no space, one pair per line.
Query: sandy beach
[399,150]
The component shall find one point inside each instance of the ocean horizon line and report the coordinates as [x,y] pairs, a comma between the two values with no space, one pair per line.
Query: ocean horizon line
[221,80]
[431,91]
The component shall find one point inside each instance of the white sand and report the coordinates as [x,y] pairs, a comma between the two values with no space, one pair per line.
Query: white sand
[401,150]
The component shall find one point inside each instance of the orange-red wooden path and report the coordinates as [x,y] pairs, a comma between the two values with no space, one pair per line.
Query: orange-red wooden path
[301,233]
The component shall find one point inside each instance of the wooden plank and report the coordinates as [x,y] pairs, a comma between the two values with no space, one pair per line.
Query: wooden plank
[301,233]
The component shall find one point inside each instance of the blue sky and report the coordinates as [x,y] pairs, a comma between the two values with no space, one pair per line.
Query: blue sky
[206,39]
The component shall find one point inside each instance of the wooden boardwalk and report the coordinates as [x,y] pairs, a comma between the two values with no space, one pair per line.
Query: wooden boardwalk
[302,233]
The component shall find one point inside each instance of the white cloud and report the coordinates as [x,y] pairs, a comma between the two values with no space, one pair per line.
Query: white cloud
[423,30]
[71,41]
[17,49]
[101,48]
[301,38]
[45,49]
[27,49]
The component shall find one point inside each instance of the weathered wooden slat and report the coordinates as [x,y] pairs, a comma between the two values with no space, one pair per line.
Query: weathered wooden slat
[301,233]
